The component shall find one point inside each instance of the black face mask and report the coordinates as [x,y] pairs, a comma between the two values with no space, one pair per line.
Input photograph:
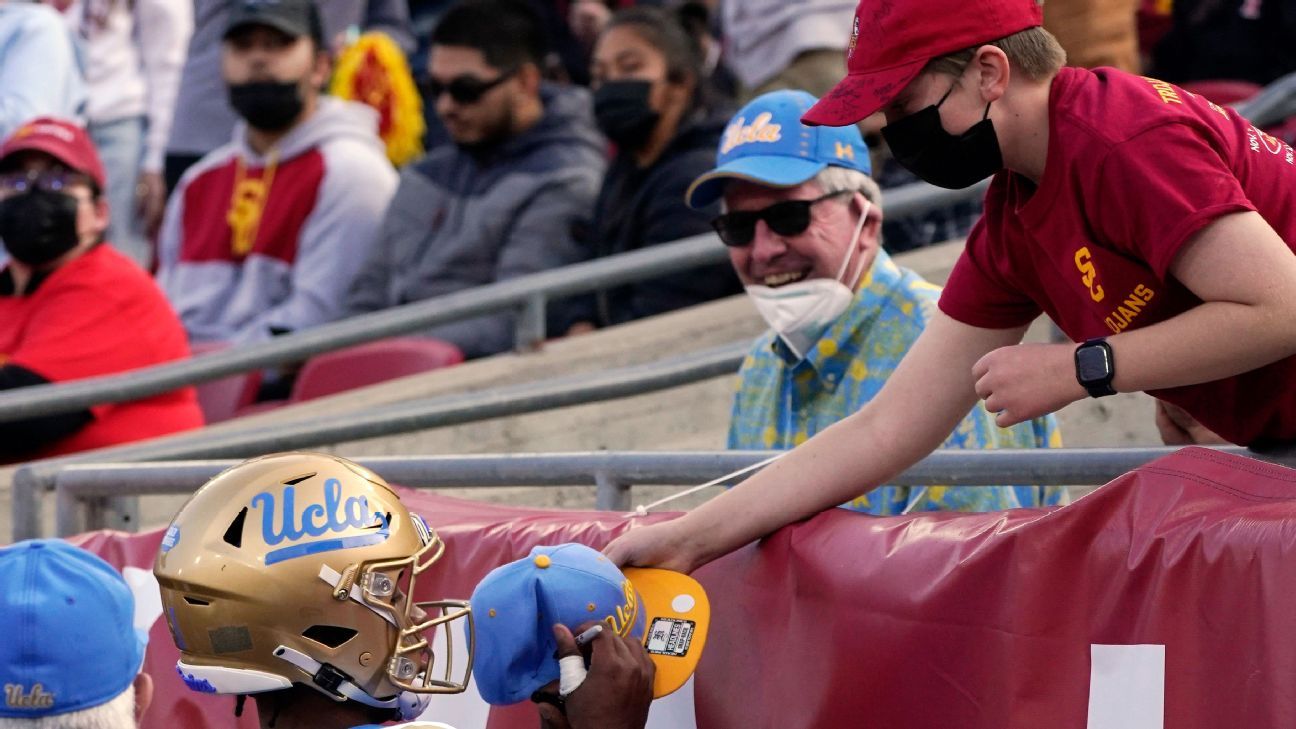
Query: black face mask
[953,161]
[268,105]
[38,226]
[623,113]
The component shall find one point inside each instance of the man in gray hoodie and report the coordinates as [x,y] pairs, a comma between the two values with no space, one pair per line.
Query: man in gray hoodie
[500,201]
[264,235]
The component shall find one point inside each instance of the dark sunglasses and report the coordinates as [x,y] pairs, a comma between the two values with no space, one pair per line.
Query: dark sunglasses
[788,218]
[463,89]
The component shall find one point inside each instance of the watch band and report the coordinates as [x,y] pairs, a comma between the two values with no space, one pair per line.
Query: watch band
[1095,367]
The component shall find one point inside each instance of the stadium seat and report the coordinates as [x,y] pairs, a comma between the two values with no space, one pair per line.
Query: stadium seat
[1222,91]
[371,363]
[221,399]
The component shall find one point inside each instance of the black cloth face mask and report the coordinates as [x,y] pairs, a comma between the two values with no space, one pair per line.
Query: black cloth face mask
[38,226]
[953,161]
[623,113]
[268,105]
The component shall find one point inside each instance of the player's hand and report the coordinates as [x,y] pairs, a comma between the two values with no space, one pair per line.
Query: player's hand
[665,545]
[1026,381]
[617,691]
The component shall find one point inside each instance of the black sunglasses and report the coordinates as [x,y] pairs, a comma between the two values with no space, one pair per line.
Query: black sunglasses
[463,89]
[791,217]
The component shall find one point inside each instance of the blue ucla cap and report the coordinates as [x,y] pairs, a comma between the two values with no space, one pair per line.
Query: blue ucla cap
[516,606]
[766,143]
[72,643]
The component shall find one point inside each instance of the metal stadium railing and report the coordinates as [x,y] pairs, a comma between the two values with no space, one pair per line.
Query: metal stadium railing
[86,494]
[32,481]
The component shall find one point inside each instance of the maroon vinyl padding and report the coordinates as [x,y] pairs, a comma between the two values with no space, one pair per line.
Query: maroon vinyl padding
[974,621]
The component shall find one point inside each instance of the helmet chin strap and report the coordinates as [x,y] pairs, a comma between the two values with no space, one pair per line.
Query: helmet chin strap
[335,683]
[331,680]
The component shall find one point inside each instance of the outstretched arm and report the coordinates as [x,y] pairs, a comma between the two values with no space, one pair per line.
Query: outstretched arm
[929,393]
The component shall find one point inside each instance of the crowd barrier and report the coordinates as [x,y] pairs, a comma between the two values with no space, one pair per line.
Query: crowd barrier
[1161,599]
[32,481]
[87,496]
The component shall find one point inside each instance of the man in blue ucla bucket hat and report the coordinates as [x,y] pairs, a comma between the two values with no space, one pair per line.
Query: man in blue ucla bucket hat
[802,221]
[73,657]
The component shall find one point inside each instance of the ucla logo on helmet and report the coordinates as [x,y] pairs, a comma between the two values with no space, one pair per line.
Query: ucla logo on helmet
[201,685]
[761,130]
[171,538]
[282,523]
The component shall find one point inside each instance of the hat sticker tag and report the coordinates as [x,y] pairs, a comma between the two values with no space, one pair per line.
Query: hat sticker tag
[670,637]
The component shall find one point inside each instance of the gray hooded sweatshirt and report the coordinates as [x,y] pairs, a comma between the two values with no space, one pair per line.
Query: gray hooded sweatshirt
[459,220]
[299,248]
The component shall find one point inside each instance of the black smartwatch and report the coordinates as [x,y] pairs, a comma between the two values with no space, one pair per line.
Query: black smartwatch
[1095,367]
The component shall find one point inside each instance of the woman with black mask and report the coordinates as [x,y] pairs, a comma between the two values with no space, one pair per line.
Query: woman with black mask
[649,103]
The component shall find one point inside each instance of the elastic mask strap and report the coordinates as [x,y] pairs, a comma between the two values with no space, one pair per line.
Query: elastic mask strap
[343,687]
[332,577]
[948,91]
[854,245]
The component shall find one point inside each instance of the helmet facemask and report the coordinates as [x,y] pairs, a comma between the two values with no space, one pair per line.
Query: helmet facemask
[387,587]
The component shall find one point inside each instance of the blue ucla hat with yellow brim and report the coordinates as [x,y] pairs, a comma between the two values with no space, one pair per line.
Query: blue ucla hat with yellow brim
[516,606]
[766,143]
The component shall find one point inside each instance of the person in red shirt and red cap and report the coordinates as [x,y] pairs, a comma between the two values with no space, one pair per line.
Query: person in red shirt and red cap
[1153,226]
[71,308]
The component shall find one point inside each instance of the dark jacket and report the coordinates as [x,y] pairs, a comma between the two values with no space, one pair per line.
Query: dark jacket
[459,221]
[638,208]
[1249,40]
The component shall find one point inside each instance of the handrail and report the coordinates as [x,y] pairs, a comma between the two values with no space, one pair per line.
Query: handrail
[1272,104]
[610,471]
[528,293]
[34,479]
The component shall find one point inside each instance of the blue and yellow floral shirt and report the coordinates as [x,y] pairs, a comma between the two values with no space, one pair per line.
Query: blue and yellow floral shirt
[781,402]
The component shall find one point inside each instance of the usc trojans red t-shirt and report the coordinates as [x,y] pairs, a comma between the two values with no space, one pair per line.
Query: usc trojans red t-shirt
[100,314]
[1135,166]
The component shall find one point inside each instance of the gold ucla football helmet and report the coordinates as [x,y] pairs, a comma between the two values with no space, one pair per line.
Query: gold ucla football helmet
[300,568]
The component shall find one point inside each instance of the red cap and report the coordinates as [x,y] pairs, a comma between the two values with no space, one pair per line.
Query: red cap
[62,140]
[894,39]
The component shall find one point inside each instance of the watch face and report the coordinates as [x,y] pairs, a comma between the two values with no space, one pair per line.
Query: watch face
[1092,364]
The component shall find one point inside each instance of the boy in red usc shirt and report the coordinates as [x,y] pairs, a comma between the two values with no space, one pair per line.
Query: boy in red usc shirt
[1154,227]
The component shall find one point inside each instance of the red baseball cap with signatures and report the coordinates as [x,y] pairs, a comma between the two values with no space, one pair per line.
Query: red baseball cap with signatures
[892,40]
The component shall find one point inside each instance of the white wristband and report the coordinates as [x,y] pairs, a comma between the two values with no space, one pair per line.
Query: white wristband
[571,674]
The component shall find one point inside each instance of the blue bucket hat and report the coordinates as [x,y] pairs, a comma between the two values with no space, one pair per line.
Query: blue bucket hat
[73,643]
[516,606]
[767,144]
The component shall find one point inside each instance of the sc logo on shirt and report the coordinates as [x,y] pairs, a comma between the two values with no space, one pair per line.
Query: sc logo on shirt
[1089,274]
